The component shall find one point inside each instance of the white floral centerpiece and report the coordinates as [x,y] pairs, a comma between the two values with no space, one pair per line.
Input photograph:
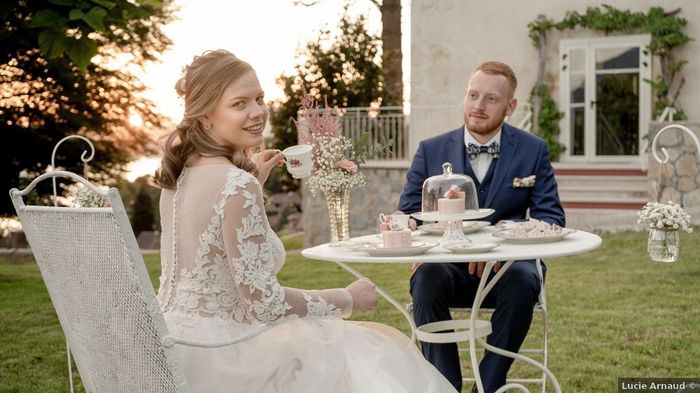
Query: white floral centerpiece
[336,160]
[332,170]
[664,220]
[665,216]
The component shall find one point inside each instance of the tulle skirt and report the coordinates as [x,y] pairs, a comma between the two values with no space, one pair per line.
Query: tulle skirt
[304,356]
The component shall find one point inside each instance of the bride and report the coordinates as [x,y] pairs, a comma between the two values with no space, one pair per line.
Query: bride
[220,259]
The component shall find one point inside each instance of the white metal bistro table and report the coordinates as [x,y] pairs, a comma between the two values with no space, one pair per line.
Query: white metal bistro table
[472,330]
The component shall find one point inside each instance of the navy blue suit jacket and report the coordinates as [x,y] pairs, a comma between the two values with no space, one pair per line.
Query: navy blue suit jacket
[522,154]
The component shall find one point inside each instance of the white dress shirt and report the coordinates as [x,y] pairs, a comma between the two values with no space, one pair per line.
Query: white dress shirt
[481,163]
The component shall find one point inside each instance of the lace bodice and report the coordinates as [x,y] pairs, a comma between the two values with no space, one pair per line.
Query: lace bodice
[220,257]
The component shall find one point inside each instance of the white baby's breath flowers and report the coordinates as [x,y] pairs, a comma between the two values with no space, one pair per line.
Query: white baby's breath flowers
[328,176]
[85,197]
[666,216]
[336,158]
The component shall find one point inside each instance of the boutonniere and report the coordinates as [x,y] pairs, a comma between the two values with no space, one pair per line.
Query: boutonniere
[524,182]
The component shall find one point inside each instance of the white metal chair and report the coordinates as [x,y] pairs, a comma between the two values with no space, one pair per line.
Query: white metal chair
[104,299]
[541,309]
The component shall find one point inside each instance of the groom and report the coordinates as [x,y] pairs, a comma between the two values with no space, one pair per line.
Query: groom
[493,154]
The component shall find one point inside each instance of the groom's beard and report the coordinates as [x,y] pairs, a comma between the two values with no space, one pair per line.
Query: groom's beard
[481,124]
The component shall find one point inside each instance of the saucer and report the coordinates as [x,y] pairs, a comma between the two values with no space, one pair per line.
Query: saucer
[378,250]
[470,248]
[354,245]
[467,227]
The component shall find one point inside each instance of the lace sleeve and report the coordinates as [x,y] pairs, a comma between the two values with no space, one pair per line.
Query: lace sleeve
[250,257]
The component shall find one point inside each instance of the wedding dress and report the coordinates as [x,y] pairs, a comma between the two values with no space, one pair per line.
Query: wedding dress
[218,281]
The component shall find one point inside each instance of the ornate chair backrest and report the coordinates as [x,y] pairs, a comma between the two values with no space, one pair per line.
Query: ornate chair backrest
[99,286]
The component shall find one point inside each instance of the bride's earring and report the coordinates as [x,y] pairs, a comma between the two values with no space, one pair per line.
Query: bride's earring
[207,126]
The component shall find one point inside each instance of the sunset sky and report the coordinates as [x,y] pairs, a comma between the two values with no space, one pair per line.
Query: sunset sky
[266,34]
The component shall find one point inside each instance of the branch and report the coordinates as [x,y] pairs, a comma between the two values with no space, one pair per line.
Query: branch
[309,3]
[673,13]
[377,3]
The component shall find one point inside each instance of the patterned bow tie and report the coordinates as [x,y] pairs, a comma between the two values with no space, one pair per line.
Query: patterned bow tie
[474,150]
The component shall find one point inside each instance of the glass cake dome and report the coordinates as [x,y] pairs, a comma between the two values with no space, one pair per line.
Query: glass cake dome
[449,193]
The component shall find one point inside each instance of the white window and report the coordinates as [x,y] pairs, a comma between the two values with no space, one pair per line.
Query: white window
[604,97]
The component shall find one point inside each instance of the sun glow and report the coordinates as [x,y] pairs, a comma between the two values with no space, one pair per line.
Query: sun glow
[135,120]
[142,167]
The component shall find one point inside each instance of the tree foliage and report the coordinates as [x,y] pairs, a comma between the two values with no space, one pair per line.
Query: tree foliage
[56,80]
[142,210]
[342,71]
[392,53]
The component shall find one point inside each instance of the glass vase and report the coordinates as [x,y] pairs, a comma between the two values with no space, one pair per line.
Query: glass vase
[339,214]
[663,244]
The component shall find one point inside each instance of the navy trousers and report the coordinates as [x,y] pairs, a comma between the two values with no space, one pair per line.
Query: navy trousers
[435,287]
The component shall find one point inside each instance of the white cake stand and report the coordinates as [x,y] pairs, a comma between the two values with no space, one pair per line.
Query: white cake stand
[453,232]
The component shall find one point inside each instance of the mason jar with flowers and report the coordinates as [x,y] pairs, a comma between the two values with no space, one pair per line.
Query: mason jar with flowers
[664,220]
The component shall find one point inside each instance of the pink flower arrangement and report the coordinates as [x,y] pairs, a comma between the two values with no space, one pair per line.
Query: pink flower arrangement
[336,158]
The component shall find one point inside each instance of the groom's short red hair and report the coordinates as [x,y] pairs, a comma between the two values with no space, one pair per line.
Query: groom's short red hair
[498,68]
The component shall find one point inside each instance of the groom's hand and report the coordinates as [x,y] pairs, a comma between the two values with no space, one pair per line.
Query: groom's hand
[478,268]
[412,224]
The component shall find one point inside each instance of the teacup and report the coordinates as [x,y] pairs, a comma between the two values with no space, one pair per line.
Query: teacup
[399,219]
[298,159]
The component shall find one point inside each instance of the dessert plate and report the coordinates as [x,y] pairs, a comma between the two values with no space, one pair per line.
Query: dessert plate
[508,235]
[470,248]
[378,250]
[467,227]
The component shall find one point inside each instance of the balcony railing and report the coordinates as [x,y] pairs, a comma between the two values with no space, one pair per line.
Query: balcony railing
[390,123]
[383,124]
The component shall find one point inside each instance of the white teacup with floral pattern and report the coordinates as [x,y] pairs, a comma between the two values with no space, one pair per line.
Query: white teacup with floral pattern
[298,159]
[400,220]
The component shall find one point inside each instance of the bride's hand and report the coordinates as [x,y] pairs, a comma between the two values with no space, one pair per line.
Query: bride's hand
[265,161]
[364,294]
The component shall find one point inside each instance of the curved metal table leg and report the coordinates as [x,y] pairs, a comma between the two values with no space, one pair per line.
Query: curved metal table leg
[386,296]
[481,293]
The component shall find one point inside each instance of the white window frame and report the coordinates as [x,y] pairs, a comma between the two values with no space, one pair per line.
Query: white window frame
[590,45]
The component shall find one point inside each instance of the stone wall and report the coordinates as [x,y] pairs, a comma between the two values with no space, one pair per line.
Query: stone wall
[381,195]
[680,181]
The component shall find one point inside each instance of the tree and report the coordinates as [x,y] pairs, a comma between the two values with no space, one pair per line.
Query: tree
[392,55]
[342,73]
[142,211]
[129,192]
[56,80]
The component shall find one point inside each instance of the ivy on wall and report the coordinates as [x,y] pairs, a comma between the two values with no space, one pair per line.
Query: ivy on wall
[666,30]
[548,120]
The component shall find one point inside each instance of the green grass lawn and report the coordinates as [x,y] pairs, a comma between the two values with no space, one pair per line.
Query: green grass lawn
[612,313]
